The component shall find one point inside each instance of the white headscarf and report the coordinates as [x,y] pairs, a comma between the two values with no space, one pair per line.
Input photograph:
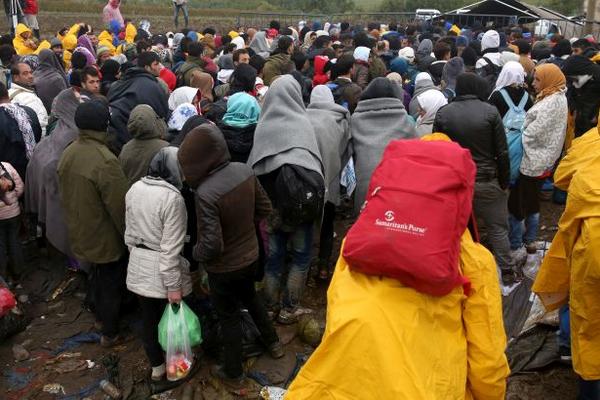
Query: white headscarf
[184,94]
[181,114]
[362,53]
[407,53]
[430,102]
[422,76]
[512,74]
[239,42]
[322,32]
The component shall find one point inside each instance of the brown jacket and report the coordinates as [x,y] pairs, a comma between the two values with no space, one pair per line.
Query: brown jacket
[229,201]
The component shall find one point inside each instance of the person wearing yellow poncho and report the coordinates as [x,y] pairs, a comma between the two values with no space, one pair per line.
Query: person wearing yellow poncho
[69,44]
[105,39]
[23,43]
[571,269]
[384,340]
[130,32]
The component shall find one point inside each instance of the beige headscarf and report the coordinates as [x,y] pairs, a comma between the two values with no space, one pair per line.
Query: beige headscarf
[551,79]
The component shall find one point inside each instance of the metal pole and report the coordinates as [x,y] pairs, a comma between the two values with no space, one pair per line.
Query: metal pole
[590,16]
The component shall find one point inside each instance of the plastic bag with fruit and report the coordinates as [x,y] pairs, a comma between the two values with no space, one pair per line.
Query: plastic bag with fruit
[178,331]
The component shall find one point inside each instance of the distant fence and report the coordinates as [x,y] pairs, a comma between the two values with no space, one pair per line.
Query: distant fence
[567,28]
[487,20]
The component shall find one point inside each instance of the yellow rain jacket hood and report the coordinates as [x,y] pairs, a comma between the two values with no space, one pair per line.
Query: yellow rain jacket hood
[571,269]
[19,43]
[105,39]
[130,33]
[384,340]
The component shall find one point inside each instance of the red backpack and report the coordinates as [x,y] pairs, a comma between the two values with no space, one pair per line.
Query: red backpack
[418,206]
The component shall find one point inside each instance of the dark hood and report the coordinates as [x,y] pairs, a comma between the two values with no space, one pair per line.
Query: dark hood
[203,152]
[132,74]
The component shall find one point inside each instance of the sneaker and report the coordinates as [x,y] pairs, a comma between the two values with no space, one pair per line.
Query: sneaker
[286,317]
[158,373]
[519,256]
[237,383]
[276,350]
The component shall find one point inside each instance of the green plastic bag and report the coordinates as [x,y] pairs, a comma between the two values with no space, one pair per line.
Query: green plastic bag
[178,326]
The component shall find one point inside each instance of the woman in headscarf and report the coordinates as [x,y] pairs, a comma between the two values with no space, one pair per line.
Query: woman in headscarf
[543,138]
[243,79]
[90,60]
[155,229]
[178,118]
[85,42]
[205,84]
[49,78]
[423,83]
[331,123]
[285,136]
[511,81]
[111,72]
[238,125]
[41,184]
[379,118]
[429,104]
[183,95]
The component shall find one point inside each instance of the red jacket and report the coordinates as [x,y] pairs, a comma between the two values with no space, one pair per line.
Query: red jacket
[320,77]
[31,7]
[169,78]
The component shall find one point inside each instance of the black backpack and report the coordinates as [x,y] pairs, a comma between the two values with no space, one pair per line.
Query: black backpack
[490,72]
[300,195]
[181,74]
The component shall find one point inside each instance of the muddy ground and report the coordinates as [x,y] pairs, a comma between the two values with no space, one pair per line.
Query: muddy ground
[54,321]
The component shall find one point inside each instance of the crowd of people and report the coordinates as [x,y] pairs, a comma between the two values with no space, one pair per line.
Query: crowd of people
[164,164]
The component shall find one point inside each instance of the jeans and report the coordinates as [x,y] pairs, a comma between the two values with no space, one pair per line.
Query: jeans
[186,15]
[10,247]
[326,240]
[564,335]
[517,237]
[589,390]
[231,291]
[109,287]
[301,242]
[490,205]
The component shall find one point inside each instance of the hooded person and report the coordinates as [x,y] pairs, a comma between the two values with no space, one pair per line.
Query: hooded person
[320,77]
[490,48]
[111,71]
[23,42]
[190,124]
[430,102]
[155,234]
[112,12]
[239,124]
[49,78]
[179,117]
[226,68]
[423,56]
[285,137]
[85,42]
[147,131]
[379,118]
[42,196]
[584,91]
[182,95]
[229,201]
[260,45]
[423,83]
[331,123]
[452,69]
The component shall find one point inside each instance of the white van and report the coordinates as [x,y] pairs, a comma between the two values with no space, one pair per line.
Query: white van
[425,14]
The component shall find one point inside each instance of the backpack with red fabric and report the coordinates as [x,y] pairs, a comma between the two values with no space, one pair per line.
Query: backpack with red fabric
[418,207]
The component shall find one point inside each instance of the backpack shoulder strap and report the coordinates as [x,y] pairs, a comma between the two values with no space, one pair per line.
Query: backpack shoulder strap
[523,101]
[507,98]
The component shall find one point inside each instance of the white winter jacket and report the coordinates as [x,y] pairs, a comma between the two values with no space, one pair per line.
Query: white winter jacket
[27,97]
[156,221]
[544,134]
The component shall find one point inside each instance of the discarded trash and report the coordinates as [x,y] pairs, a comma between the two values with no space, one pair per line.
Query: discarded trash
[54,388]
[20,353]
[532,265]
[76,340]
[110,389]
[23,298]
[310,330]
[90,364]
[61,288]
[272,393]
[7,301]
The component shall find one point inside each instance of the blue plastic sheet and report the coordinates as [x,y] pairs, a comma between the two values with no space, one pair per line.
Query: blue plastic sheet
[77,340]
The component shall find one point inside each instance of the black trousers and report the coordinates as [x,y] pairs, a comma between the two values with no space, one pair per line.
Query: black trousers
[10,248]
[109,287]
[326,240]
[230,292]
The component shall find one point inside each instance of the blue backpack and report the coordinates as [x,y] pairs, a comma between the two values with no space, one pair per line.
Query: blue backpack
[513,126]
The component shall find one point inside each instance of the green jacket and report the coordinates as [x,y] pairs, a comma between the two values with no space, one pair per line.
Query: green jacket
[92,187]
[277,65]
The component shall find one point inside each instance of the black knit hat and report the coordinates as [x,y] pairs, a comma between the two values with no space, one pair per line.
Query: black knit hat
[92,115]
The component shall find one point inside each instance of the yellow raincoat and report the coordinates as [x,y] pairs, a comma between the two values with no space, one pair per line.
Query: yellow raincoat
[23,47]
[130,33]
[106,39]
[571,268]
[42,46]
[384,340]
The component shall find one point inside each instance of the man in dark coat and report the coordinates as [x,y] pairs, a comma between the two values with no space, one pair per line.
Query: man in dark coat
[138,86]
